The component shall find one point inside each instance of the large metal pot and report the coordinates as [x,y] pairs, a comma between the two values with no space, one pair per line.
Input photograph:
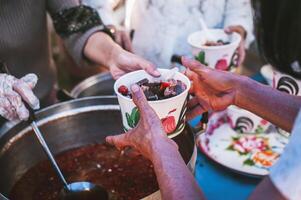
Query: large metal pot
[65,126]
[97,85]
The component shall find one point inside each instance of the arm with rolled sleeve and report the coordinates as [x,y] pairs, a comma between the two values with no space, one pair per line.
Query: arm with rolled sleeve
[85,36]
[239,12]
[76,42]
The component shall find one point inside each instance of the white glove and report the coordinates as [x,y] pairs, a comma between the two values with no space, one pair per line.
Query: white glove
[12,91]
[286,173]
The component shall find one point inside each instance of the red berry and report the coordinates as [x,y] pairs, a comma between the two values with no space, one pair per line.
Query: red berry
[123,90]
[164,85]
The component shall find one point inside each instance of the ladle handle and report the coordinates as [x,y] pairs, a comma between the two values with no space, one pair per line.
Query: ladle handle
[2,197]
[48,153]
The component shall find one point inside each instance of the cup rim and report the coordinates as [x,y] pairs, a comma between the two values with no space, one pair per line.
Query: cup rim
[234,43]
[188,85]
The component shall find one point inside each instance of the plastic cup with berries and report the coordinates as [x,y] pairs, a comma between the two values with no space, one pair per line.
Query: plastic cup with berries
[167,96]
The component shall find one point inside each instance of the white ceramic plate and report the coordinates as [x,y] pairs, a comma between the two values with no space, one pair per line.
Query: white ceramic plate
[250,154]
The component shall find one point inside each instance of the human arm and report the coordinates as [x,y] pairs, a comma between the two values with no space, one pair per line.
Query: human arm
[266,190]
[148,138]
[238,18]
[216,90]
[105,11]
[86,41]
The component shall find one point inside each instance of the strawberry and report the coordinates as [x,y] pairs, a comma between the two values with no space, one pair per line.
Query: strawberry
[123,90]
[222,65]
[164,85]
[169,124]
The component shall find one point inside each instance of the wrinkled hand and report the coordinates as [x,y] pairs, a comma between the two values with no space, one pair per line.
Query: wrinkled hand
[241,50]
[12,91]
[214,90]
[148,133]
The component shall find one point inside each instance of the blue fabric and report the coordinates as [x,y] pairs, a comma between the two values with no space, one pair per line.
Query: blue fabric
[218,182]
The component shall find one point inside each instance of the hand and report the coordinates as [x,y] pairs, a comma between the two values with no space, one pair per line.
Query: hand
[101,49]
[213,89]
[241,51]
[148,133]
[12,91]
[123,62]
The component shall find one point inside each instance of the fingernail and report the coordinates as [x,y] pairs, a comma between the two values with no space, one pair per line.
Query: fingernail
[135,88]
[157,73]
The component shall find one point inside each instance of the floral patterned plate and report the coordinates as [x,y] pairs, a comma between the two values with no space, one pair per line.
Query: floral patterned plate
[233,144]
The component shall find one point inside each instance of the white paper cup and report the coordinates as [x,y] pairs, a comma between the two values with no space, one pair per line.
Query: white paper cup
[171,111]
[215,56]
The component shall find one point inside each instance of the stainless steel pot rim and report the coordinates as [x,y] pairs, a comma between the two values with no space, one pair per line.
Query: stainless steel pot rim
[89,82]
[59,115]
[75,100]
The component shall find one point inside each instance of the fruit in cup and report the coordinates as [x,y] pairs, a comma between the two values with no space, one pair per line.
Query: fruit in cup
[217,43]
[123,90]
[157,90]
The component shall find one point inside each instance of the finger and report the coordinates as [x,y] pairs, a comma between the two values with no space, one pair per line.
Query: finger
[195,66]
[229,29]
[31,80]
[119,141]
[127,44]
[17,105]
[192,103]
[241,55]
[148,67]
[141,101]
[238,29]
[197,111]
[6,109]
[26,93]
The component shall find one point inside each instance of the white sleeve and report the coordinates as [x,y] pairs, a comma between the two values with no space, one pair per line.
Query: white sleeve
[104,9]
[239,12]
[286,173]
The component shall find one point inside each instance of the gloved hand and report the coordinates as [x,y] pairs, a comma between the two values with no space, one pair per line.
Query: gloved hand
[12,91]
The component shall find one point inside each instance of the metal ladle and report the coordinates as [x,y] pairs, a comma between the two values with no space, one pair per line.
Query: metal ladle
[75,190]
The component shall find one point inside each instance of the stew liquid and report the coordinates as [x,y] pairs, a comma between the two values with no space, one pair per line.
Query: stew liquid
[125,178]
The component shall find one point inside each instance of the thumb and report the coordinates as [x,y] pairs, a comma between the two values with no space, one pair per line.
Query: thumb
[140,99]
[195,66]
[229,30]
[119,141]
